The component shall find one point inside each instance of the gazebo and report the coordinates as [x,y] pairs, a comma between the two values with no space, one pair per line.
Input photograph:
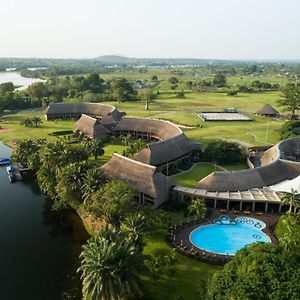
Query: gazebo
[268,111]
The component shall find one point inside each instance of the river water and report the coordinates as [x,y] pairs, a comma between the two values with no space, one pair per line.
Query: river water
[38,247]
[17,79]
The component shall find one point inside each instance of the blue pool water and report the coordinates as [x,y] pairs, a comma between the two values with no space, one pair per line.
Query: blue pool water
[228,236]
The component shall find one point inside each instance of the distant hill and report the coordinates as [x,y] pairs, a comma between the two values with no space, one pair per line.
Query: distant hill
[116,59]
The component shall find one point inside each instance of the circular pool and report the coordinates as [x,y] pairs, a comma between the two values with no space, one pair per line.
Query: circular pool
[228,236]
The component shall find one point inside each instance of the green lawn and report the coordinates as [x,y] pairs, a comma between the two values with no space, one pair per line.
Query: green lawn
[188,271]
[109,150]
[198,171]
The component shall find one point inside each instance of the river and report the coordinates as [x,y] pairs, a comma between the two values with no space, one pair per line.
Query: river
[17,79]
[39,248]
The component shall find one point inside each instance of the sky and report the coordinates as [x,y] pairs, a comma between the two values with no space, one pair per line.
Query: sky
[219,29]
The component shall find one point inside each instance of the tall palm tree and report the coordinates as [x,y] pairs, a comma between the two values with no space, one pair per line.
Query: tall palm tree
[292,199]
[197,208]
[109,267]
[93,179]
[136,227]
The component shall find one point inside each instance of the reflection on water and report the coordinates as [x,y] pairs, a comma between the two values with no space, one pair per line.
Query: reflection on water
[39,247]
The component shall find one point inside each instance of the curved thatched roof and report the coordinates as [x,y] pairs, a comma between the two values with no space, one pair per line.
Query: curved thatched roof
[91,127]
[160,129]
[142,177]
[91,109]
[267,110]
[276,167]
[244,180]
[159,153]
[173,142]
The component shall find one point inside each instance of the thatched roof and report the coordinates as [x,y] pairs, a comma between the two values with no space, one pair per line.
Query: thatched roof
[160,129]
[273,173]
[288,149]
[91,126]
[162,152]
[267,110]
[173,142]
[279,163]
[91,109]
[144,178]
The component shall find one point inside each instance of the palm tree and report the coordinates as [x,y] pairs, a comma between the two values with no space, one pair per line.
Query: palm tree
[289,239]
[197,208]
[292,199]
[109,267]
[136,227]
[93,179]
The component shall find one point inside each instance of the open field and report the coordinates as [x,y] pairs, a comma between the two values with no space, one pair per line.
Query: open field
[180,111]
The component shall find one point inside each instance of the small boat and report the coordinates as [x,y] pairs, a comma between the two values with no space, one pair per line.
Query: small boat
[4,161]
[11,173]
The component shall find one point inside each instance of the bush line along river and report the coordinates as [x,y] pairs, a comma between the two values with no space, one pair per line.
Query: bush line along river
[39,248]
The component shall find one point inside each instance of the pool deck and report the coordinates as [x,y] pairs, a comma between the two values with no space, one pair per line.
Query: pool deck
[179,235]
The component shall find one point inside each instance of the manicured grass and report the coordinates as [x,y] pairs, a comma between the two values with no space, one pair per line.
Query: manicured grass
[190,178]
[109,150]
[235,167]
[13,130]
[184,283]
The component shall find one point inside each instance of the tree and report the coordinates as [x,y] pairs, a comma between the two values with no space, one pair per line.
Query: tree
[174,82]
[109,267]
[147,95]
[113,202]
[94,147]
[161,266]
[37,121]
[258,271]
[219,80]
[136,227]
[93,179]
[224,152]
[197,208]
[123,90]
[289,240]
[291,99]
[292,199]
[7,87]
[37,91]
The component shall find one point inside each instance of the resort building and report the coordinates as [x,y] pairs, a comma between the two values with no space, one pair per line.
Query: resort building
[252,188]
[268,111]
[152,186]
[169,146]
[92,127]
[62,111]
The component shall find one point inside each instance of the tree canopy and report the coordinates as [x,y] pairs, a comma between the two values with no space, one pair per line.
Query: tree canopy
[258,272]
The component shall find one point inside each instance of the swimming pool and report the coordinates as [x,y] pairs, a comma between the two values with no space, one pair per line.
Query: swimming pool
[227,236]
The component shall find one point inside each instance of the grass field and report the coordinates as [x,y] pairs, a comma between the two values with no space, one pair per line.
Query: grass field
[184,282]
[181,111]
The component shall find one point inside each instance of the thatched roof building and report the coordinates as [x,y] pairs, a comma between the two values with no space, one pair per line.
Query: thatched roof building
[158,129]
[162,152]
[279,163]
[172,143]
[267,110]
[75,110]
[270,174]
[152,185]
[92,127]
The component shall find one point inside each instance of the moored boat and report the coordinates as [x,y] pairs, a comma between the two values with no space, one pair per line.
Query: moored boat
[11,173]
[4,161]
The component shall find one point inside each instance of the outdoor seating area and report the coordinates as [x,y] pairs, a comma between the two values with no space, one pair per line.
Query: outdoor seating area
[178,238]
